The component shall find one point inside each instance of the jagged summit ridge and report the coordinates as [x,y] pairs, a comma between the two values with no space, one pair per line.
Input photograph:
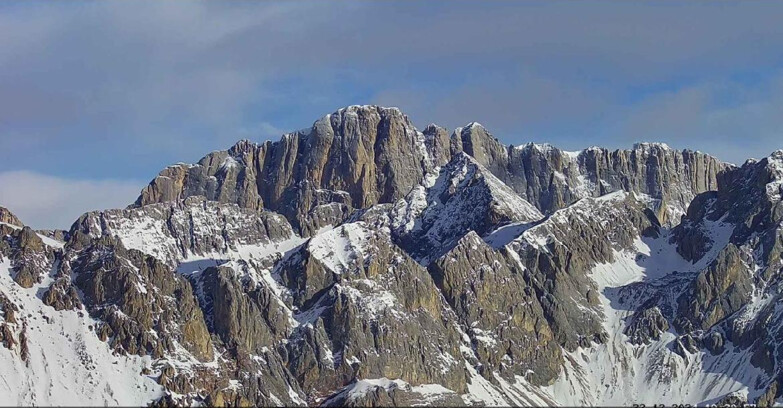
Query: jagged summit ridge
[551,178]
[464,197]
[359,156]
[775,167]
[6,216]
[352,158]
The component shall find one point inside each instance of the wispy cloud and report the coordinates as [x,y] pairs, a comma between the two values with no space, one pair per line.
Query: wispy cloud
[730,119]
[44,201]
[111,89]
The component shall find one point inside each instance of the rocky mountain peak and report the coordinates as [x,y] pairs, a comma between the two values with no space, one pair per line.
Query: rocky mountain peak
[464,197]
[353,158]
[359,156]
[477,142]
[8,217]
[433,128]
[651,146]
[241,147]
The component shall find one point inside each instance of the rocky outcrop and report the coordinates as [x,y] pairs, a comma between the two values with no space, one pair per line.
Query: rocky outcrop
[438,144]
[62,295]
[714,342]
[357,156]
[747,202]
[30,258]
[464,197]
[243,313]
[560,252]
[9,311]
[55,234]
[145,305]
[720,290]
[551,178]
[367,310]
[768,398]
[193,227]
[499,311]
[646,325]
[6,216]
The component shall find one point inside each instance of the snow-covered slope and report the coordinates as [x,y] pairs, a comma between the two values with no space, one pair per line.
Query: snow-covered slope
[58,358]
[620,373]
[193,230]
[464,197]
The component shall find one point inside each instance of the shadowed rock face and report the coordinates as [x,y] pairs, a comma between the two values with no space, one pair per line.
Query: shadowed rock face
[490,295]
[244,315]
[136,295]
[720,290]
[646,325]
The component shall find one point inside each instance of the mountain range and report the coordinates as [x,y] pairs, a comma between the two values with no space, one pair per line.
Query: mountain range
[363,262]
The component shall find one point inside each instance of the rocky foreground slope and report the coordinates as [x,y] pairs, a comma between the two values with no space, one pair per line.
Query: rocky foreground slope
[363,262]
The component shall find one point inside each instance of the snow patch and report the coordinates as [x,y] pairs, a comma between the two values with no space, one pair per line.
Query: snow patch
[339,249]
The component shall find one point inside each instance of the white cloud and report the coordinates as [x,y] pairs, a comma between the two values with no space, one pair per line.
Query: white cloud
[731,120]
[44,201]
[125,86]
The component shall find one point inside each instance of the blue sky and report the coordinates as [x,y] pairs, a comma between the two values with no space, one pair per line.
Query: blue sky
[97,97]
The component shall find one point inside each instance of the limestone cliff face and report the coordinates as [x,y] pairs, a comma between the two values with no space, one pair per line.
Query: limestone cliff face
[355,157]
[8,217]
[494,301]
[748,199]
[194,227]
[560,253]
[144,304]
[363,155]
[551,178]
[741,222]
